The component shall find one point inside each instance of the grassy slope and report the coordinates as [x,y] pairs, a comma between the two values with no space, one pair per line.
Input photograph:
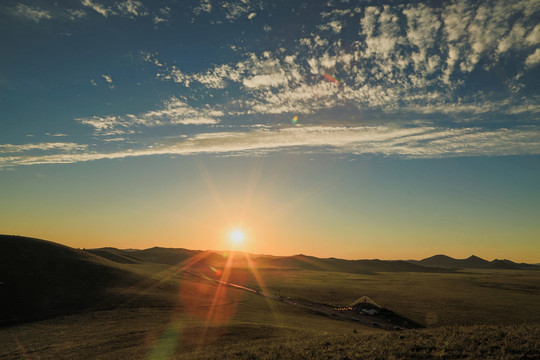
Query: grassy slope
[42,279]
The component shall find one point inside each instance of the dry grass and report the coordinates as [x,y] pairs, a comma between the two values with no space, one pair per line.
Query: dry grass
[470,342]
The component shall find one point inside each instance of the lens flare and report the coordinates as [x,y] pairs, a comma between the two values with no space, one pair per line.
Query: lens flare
[331,78]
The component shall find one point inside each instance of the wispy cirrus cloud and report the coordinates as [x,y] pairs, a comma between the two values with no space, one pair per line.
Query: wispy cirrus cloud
[11,148]
[418,142]
[97,7]
[33,13]
[174,111]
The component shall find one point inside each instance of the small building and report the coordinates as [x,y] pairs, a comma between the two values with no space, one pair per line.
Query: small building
[365,306]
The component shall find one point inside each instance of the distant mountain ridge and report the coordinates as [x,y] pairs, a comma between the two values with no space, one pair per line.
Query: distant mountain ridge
[180,257]
[436,263]
[472,262]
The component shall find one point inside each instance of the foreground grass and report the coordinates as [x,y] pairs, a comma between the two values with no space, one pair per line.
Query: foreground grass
[156,334]
[467,342]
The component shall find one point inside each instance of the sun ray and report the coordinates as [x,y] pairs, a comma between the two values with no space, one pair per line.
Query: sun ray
[251,188]
[213,190]
[298,201]
[264,291]
[220,293]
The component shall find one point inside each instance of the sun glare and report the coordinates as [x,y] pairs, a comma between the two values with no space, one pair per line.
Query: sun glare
[237,237]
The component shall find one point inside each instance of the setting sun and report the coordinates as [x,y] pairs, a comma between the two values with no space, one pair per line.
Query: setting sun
[237,236]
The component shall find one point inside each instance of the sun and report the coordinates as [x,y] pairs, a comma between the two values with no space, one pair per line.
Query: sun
[237,237]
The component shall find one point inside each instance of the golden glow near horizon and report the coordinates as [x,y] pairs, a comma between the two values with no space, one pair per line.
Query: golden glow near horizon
[286,206]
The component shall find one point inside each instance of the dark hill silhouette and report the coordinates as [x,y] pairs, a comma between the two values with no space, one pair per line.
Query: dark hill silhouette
[40,279]
[180,257]
[504,264]
[347,266]
[508,264]
[472,262]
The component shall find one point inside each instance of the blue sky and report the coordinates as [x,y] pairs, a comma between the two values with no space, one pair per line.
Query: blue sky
[404,85]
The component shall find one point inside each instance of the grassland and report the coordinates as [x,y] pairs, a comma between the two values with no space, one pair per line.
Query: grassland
[468,297]
[164,312]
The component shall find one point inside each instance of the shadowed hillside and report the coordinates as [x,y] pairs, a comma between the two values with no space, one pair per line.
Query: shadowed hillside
[39,279]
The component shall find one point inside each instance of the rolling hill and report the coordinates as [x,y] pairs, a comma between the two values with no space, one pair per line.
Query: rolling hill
[172,256]
[40,279]
[434,264]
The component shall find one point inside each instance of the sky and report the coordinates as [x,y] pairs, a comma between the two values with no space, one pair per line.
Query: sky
[352,129]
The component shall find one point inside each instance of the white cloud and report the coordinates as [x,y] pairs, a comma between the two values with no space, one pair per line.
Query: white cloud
[265,80]
[10,148]
[533,38]
[163,16]
[418,142]
[127,8]
[75,14]
[158,20]
[423,24]
[333,26]
[32,12]
[204,6]
[100,9]
[412,58]
[107,78]
[131,8]
[234,9]
[533,59]
[336,13]
[116,139]
[173,112]
[515,36]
